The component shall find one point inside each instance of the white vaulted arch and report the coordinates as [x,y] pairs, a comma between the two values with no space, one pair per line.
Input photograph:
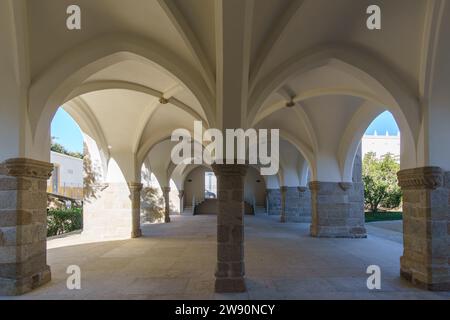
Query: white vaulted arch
[384,89]
[61,80]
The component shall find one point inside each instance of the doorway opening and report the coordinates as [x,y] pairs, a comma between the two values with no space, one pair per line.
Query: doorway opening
[210,185]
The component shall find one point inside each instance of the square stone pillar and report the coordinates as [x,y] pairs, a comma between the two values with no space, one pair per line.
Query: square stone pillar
[283,191]
[230,227]
[181,196]
[304,206]
[166,195]
[23,225]
[135,196]
[335,212]
[273,201]
[426,227]
[296,204]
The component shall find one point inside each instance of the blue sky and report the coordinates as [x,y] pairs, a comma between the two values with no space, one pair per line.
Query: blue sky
[67,132]
[384,122]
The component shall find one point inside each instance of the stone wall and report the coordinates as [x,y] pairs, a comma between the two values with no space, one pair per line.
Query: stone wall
[109,214]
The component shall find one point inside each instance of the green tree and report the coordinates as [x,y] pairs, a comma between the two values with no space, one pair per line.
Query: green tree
[380,182]
[91,178]
[152,205]
[59,148]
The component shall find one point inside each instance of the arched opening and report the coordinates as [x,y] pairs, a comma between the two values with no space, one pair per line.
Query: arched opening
[65,187]
[380,151]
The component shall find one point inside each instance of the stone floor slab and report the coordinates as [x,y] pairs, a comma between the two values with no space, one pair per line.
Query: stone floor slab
[177,261]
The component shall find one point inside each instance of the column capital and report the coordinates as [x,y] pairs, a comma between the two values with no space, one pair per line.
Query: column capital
[421,178]
[135,186]
[320,185]
[180,193]
[283,189]
[345,185]
[229,169]
[165,189]
[24,167]
[314,185]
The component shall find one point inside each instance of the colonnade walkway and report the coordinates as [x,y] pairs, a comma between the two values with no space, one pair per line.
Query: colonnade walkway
[177,261]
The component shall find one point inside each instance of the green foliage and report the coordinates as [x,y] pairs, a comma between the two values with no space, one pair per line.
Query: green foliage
[152,205]
[63,221]
[383,216]
[91,177]
[59,148]
[380,182]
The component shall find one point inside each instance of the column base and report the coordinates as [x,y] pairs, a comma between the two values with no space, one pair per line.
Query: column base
[230,285]
[19,286]
[282,219]
[166,219]
[338,232]
[409,276]
[136,233]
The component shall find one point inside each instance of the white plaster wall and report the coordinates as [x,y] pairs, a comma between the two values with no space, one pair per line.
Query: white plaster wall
[173,198]
[70,169]
[196,187]
[254,190]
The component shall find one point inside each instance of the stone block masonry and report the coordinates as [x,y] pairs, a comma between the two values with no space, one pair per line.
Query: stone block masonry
[297,203]
[337,210]
[112,213]
[23,225]
[426,227]
[230,269]
[274,201]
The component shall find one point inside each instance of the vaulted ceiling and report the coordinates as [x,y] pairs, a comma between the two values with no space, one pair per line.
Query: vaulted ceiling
[233,63]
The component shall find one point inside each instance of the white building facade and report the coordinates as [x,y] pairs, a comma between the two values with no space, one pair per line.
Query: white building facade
[381,145]
[67,176]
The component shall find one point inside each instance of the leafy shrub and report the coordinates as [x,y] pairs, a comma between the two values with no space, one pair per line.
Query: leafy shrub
[63,221]
[152,205]
[383,216]
[380,182]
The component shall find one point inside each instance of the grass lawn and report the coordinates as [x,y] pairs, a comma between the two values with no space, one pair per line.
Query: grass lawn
[383,216]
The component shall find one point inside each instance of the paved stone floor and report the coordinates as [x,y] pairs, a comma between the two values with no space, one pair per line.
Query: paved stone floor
[177,261]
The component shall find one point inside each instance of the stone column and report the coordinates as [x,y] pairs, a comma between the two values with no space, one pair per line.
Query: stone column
[135,196]
[333,213]
[181,196]
[166,191]
[273,201]
[304,196]
[426,231]
[283,191]
[23,225]
[230,228]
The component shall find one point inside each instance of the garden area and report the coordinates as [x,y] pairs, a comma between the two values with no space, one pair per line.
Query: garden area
[382,195]
[64,220]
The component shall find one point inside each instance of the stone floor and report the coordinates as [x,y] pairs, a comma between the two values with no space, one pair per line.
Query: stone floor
[177,261]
